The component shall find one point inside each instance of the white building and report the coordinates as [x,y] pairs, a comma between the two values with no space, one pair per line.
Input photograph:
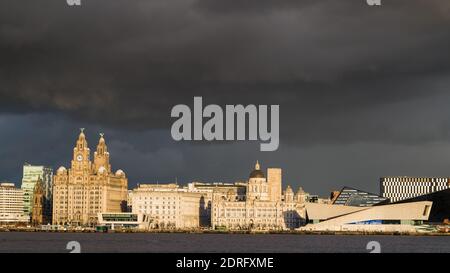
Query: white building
[399,188]
[256,204]
[11,205]
[168,205]
[406,217]
[124,220]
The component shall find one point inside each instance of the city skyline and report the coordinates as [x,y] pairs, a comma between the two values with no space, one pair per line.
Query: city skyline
[324,192]
[233,177]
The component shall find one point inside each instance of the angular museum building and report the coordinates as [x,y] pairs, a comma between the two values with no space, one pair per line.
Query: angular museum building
[440,210]
[401,217]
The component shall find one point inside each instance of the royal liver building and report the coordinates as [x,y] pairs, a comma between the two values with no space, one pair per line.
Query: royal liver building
[88,188]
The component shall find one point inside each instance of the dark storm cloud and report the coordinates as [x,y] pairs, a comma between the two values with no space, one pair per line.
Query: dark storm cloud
[331,65]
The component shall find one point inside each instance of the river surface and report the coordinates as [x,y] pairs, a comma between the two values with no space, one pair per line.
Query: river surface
[238,243]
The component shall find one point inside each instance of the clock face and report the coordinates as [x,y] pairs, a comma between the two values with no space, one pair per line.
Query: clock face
[79,157]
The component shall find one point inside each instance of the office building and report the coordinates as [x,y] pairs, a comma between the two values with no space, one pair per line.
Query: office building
[397,188]
[11,205]
[168,206]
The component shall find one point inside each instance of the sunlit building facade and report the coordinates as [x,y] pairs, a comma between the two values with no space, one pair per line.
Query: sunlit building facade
[88,187]
[11,205]
[265,207]
[168,206]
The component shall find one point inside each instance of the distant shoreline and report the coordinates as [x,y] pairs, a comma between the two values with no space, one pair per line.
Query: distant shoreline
[325,233]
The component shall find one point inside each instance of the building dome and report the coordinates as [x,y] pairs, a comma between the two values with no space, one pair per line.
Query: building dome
[120,173]
[101,170]
[300,191]
[61,170]
[257,173]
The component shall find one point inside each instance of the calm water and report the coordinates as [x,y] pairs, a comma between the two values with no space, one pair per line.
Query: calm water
[241,243]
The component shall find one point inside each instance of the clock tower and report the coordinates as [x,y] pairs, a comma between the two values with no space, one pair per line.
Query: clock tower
[81,163]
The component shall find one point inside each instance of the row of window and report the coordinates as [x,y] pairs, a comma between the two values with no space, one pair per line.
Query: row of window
[157,198]
[414,179]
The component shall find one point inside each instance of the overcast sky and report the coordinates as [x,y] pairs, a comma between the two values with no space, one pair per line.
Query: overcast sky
[364,91]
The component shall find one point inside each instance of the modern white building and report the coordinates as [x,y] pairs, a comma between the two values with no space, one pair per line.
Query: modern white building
[406,217]
[11,205]
[398,188]
[31,174]
[124,220]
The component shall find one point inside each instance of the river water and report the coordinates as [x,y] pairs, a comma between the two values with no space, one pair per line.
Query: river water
[239,243]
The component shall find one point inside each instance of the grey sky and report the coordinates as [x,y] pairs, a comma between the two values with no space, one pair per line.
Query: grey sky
[363,91]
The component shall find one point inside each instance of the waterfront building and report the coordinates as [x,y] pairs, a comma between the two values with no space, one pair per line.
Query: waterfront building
[405,217]
[265,207]
[192,202]
[397,188]
[88,187]
[257,203]
[129,200]
[31,174]
[440,211]
[358,198]
[125,220]
[11,205]
[216,191]
[168,206]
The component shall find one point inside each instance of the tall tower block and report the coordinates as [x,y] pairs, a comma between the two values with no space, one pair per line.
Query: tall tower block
[274,181]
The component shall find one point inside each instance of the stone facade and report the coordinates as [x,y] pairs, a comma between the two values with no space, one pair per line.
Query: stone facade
[264,208]
[40,213]
[88,188]
[172,206]
[169,206]
[255,204]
